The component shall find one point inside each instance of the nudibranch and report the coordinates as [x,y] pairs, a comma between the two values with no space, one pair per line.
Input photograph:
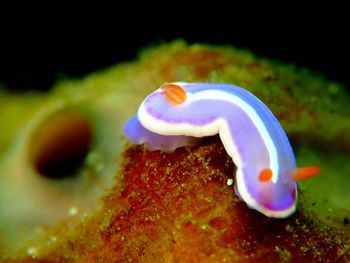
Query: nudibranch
[179,114]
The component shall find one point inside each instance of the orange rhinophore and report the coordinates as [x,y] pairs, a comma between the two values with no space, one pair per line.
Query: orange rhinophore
[305,172]
[265,175]
[174,93]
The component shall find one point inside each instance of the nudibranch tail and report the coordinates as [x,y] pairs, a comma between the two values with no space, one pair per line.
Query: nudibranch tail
[137,134]
[303,173]
[174,93]
[250,133]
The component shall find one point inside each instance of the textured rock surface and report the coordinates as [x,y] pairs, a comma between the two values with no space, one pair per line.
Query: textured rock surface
[173,207]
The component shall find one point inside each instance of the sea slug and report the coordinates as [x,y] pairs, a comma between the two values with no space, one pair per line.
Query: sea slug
[179,114]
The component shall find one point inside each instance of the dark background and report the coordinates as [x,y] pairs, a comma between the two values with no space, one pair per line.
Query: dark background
[33,55]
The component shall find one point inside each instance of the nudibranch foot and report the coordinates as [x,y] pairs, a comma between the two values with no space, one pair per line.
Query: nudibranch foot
[137,134]
[177,114]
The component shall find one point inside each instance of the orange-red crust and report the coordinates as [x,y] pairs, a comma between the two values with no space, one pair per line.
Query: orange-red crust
[177,207]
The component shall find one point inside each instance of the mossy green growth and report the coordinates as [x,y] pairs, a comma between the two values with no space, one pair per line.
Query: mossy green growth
[326,197]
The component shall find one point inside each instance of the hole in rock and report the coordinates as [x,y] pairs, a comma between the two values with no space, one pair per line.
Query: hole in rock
[60,145]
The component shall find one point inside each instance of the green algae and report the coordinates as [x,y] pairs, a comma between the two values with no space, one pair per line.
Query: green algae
[326,197]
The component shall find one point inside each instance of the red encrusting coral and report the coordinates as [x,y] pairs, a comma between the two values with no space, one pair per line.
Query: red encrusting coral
[177,207]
